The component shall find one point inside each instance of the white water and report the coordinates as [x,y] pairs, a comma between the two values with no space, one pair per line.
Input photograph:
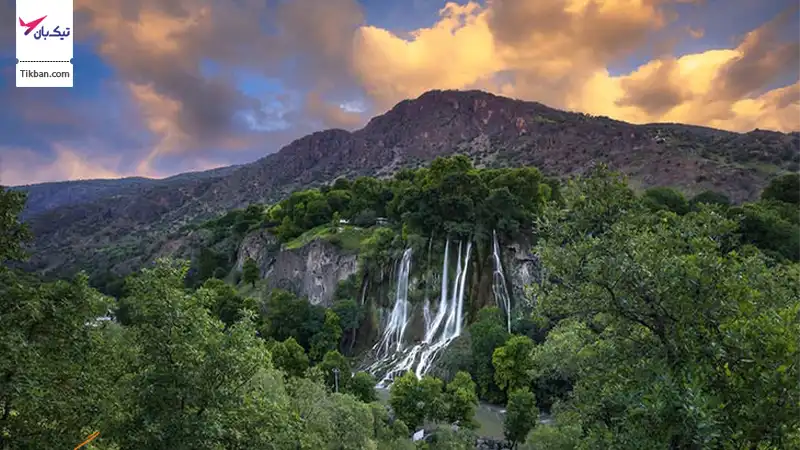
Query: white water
[440,329]
[395,328]
[499,282]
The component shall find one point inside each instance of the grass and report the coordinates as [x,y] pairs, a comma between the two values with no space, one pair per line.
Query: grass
[347,237]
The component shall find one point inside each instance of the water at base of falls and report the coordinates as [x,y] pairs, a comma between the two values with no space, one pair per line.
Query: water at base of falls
[394,357]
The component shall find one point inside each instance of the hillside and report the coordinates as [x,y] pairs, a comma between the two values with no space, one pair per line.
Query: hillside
[122,227]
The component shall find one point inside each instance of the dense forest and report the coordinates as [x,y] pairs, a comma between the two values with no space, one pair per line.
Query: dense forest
[660,322]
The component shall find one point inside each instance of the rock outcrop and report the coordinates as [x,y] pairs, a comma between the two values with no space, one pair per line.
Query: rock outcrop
[521,267]
[485,443]
[312,271]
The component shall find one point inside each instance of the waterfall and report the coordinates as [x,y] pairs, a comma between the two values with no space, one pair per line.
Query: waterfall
[499,287]
[395,327]
[440,329]
[431,328]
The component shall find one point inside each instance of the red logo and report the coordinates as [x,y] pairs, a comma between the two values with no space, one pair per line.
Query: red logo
[30,25]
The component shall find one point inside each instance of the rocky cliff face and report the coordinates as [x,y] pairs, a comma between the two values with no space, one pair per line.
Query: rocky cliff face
[312,271]
[521,268]
[315,269]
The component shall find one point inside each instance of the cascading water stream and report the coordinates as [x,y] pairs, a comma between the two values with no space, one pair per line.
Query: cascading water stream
[440,330]
[499,282]
[395,328]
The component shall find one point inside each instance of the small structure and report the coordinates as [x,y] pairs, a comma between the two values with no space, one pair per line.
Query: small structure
[382,221]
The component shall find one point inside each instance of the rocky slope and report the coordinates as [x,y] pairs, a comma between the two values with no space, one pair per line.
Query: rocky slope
[122,231]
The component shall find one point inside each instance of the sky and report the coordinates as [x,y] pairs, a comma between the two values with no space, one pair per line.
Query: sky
[169,86]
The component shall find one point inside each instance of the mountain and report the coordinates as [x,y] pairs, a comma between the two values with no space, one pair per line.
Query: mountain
[122,223]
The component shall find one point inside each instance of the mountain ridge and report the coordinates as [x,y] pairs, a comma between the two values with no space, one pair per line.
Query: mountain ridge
[492,130]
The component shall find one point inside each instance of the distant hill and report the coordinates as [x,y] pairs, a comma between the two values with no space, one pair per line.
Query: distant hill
[118,224]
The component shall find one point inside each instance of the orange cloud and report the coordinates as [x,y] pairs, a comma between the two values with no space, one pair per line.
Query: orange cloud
[558,52]
[68,164]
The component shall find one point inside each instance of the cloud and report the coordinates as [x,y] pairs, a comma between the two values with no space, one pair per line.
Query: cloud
[655,88]
[761,57]
[334,116]
[64,164]
[696,33]
[559,52]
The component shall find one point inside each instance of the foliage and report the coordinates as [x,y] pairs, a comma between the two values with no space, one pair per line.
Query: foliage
[513,364]
[362,387]
[665,199]
[13,234]
[487,333]
[351,315]
[290,357]
[695,341]
[457,358]
[416,400]
[237,221]
[333,361]
[785,188]
[445,438]
[564,433]
[521,416]
[250,272]
[556,363]
[461,400]
[207,266]
[288,316]
[327,338]
[709,198]
[227,304]
[58,368]
[450,197]
[772,226]
[196,385]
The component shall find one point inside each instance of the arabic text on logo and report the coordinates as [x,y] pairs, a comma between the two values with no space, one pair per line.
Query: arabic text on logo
[41,33]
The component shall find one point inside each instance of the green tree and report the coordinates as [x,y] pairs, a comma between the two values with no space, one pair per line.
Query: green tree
[664,293]
[59,366]
[328,421]
[709,198]
[487,333]
[785,188]
[327,338]
[362,386]
[288,316]
[331,362]
[13,234]
[414,401]
[228,305]
[664,198]
[513,363]
[250,272]
[350,314]
[461,400]
[557,362]
[196,385]
[521,416]
[290,357]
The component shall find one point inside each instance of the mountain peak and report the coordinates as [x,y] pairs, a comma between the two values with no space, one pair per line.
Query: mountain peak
[491,130]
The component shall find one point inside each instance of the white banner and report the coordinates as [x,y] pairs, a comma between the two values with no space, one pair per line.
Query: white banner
[44,43]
